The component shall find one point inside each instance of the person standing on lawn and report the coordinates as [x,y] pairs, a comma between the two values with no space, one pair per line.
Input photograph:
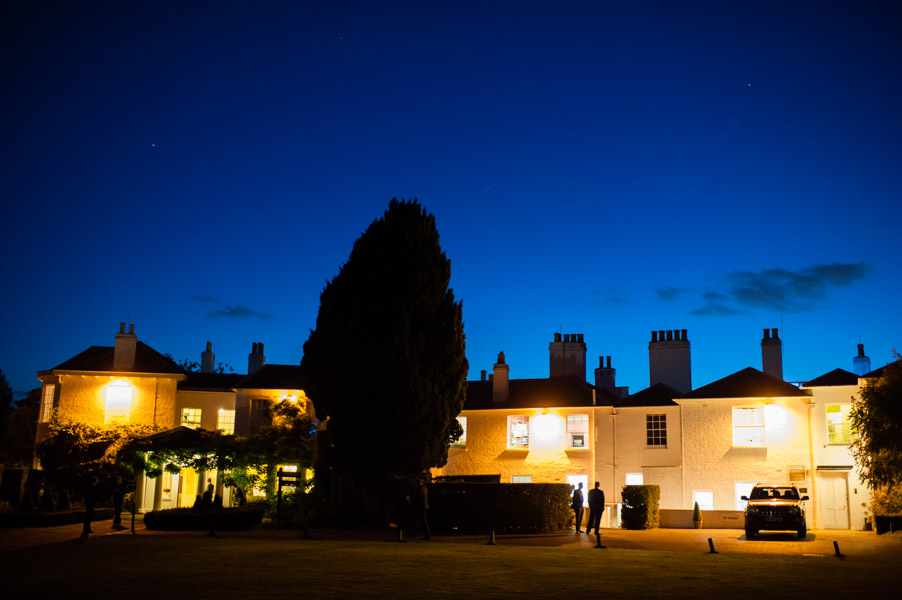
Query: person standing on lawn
[596,508]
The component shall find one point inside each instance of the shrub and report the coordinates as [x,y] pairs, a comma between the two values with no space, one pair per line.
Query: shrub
[640,506]
[186,519]
[696,513]
[499,507]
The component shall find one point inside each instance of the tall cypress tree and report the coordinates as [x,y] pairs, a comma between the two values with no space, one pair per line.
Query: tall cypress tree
[386,362]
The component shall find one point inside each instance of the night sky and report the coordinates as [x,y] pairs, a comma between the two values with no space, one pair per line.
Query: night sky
[605,168]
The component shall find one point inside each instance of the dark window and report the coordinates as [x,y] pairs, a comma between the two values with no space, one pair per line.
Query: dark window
[656,430]
[260,414]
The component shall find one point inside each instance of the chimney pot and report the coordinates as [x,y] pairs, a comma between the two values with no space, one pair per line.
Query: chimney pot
[260,347]
[774,333]
[669,335]
[609,362]
[580,338]
[482,375]
[121,327]
[860,349]
[131,329]
[209,346]
[767,334]
[654,336]
[557,337]
[685,334]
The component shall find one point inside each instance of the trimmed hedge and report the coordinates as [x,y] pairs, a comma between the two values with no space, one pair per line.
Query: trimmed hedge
[499,507]
[187,519]
[640,506]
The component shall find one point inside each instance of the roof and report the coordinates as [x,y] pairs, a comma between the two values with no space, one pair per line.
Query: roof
[880,372]
[100,359]
[834,377]
[211,381]
[533,393]
[747,383]
[273,377]
[660,394]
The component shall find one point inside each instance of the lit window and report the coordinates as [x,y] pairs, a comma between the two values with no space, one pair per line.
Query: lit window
[521,478]
[634,479]
[47,402]
[578,431]
[748,426]
[656,430]
[839,423]
[705,499]
[225,421]
[118,402]
[518,432]
[461,442]
[191,417]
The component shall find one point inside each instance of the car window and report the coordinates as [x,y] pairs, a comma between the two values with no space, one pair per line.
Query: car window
[760,493]
[790,494]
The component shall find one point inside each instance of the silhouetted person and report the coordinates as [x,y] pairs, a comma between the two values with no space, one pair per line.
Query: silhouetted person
[577,505]
[239,497]
[118,497]
[90,500]
[596,508]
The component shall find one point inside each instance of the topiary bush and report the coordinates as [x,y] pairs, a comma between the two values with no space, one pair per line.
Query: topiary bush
[640,506]
[186,519]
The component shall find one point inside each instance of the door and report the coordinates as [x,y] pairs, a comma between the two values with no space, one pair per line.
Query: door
[833,490]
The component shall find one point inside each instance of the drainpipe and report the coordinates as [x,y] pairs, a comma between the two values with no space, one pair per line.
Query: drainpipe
[815,519]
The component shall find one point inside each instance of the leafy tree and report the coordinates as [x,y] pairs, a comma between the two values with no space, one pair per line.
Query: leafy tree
[192,366]
[386,365]
[877,421]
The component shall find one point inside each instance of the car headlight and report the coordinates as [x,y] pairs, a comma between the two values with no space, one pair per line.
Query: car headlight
[753,509]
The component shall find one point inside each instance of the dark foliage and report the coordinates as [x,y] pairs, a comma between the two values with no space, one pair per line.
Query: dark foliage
[18,431]
[499,507]
[385,364]
[186,519]
[877,423]
[640,506]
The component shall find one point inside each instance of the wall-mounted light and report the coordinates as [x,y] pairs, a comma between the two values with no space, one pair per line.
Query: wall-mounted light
[546,427]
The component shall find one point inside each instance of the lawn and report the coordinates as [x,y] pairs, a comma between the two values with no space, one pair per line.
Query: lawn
[195,566]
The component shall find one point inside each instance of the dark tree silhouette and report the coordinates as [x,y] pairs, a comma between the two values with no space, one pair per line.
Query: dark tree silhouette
[386,364]
[877,422]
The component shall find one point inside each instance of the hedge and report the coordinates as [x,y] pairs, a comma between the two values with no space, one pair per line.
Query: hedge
[187,519]
[499,507]
[640,506]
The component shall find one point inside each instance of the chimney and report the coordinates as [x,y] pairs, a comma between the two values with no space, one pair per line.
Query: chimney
[567,357]
[124,353]
[482,375]
[207,359]
[500,381]
[255,360]
[772,354]
[861,364]
[604,376]
[669,359]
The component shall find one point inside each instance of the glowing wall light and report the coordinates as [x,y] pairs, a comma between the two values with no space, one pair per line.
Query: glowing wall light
[776,418]
[118,401]
[546,428]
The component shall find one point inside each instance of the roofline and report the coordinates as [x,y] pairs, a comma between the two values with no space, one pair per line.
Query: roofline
[803,396]
[177,376]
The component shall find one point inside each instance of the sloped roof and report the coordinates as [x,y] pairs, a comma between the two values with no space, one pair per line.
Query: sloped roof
[211,381]
[100,359]
[532,393]
[660,394]
[834,377]
[273,377]
[879,372]
[747,383]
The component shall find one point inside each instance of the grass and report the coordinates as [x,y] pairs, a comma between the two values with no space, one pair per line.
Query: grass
[195,566]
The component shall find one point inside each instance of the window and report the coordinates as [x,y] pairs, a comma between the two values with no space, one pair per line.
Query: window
[225,422]
[574,481]
[191,417]
[518,432]
[656,430]
[743,488]
[705,499]
[521,478]
[260,416]
[461,442]
[839,424]
[577,431]
[748,426]
[47,402]
[634,479]
[118,402]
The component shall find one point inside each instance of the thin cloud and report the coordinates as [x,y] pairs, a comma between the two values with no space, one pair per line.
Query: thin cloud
[239,312]
[199,298]
[777,290]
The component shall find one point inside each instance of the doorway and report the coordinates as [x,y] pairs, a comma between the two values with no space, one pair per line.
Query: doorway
[833,489]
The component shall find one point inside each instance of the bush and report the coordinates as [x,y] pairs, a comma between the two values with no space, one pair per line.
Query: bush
[640,506]
[186,519]
[499,507]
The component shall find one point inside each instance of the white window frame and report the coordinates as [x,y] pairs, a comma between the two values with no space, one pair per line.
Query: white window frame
[705,499]
[47,402]
[656,430]
[225,421]
[521,478]
[191,417]
[634,479]
[461,442]
[578,429]
[518,432]
[748,426]
[840,432]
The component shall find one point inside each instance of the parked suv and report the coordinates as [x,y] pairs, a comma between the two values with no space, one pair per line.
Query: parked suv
[774,508]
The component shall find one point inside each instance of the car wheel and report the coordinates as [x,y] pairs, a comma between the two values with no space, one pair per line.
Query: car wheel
[749,534]
[803,532]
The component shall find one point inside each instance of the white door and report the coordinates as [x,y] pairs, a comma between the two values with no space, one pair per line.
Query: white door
[833,490]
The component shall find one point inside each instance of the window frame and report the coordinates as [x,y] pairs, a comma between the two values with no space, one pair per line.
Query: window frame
[220,421]
[745,441]
[512,440]
[845,424]
[656,437]
[578,425]
[696,494]
[521,478]
[192,423]
[48,395]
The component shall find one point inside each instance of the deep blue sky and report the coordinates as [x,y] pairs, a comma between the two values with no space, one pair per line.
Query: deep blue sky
[605,168]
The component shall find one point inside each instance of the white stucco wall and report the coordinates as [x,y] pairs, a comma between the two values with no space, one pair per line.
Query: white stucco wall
[209,402]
